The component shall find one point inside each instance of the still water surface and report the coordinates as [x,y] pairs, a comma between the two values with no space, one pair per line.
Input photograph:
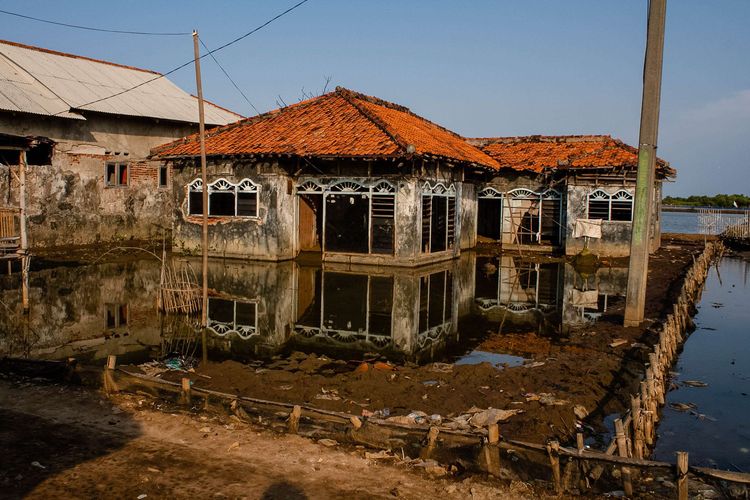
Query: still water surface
[714,427]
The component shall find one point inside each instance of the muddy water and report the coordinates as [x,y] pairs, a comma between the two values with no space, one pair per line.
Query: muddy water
[712,422]
[262,311]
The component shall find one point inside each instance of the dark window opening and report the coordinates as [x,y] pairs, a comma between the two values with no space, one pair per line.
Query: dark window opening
[195,203]
[381,305]
[221,203]
[435,300]
[345,302]
[622,210]
[599,209]
[116,315]
[163,176]
[488,218]
[247,204]
[116,175]
[40,154]
[438,230]
[615,207]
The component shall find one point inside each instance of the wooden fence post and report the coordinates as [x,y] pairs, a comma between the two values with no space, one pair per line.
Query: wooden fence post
[553,450]
[682,478]
[294,419]
[622,450]
[185,393]
[109,379]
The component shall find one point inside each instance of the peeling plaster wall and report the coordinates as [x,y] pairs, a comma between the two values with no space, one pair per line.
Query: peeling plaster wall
[615,240]
[270,236]
[467,217]
[68,202]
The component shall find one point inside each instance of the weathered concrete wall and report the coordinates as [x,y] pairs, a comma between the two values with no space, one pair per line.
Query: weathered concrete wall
[615,240]
[68,202]
[467,216]
[269,236]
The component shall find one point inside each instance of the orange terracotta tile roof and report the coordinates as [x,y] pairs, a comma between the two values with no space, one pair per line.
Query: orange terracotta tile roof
[538,153]
[341,123]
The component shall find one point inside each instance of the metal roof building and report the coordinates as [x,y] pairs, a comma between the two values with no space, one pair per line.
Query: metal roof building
[45,82]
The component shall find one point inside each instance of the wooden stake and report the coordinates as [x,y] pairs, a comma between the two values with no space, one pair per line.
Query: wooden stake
[553,448]
[622,450]
[111,362]
[637,434]
[294,419]
[185,395]
[682,475]
[493,433]
[356,422]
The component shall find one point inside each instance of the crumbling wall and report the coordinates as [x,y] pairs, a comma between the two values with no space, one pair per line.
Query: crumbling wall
[68,202]
[269,236]
[615,240]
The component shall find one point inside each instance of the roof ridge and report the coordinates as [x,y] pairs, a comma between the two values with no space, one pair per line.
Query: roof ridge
[351,96]
[484,141]
[75,56]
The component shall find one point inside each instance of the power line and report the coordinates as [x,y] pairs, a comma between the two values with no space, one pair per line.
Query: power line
[191,61]
[90,28]
[229,77]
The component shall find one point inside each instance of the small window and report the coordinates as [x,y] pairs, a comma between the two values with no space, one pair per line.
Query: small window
[116,175]
[163,176]
[610,207]
[225,199]
[117,315]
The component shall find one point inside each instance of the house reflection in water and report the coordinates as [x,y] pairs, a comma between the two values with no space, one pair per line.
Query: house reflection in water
[263,309]
[258,310]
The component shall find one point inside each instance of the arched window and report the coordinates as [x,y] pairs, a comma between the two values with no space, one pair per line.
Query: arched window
[610,207]
[438,217]
[225,199]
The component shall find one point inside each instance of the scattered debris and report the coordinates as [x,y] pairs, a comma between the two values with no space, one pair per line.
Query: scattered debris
[694,383]
[618,343]
[328,442]
[580,411]
[682,406]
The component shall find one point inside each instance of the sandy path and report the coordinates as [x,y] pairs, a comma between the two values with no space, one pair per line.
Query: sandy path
[88,447]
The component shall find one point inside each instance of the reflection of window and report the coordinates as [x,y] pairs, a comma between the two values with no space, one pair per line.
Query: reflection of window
[116,175]
[232,316]
[438,217]
[612,207]
[435,300]
[117,315]
[224,198]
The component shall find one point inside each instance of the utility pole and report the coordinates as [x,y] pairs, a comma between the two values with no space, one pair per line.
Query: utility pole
[644,190]
[24,249]
[204,191]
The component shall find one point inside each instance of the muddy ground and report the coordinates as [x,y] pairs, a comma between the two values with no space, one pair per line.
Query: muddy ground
[69,442]
[564,374]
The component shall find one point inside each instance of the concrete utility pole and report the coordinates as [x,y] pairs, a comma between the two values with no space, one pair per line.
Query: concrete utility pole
[204,191]
[644,191]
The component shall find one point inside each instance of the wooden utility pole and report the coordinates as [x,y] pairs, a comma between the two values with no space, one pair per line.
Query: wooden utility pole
[24,249]
[204,191]
[644,190]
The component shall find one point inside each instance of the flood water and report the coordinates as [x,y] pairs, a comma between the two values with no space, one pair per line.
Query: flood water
[260,310]
[712,423]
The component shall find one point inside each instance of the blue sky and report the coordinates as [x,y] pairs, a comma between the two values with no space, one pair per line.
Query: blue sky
[479,68]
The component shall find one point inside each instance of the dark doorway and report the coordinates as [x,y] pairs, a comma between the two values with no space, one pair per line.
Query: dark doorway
[551,222]
[439,224]
[346,223]
[488,218]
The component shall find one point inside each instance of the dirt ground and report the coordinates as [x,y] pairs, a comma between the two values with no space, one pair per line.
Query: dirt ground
[581,369]
[68,442]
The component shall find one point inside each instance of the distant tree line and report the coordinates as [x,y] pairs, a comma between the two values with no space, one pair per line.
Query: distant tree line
[719,200]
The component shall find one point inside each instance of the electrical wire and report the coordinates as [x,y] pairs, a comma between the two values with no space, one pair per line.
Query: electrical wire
[191,61]
[90,28]
[227,75]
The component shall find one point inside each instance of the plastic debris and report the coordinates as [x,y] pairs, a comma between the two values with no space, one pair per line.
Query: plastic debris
[492,416]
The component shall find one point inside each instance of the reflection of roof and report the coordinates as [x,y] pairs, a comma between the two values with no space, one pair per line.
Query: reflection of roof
[46,82]
[538,153]
[341,123]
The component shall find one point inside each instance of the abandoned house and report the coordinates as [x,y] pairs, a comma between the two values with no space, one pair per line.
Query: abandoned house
[356,178]
[362,180]
[88,177]
[563,193]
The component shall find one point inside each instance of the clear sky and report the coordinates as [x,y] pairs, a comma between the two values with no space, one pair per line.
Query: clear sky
[480,68]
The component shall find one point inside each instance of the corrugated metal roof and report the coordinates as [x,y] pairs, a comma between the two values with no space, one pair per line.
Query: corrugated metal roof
[41,81]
